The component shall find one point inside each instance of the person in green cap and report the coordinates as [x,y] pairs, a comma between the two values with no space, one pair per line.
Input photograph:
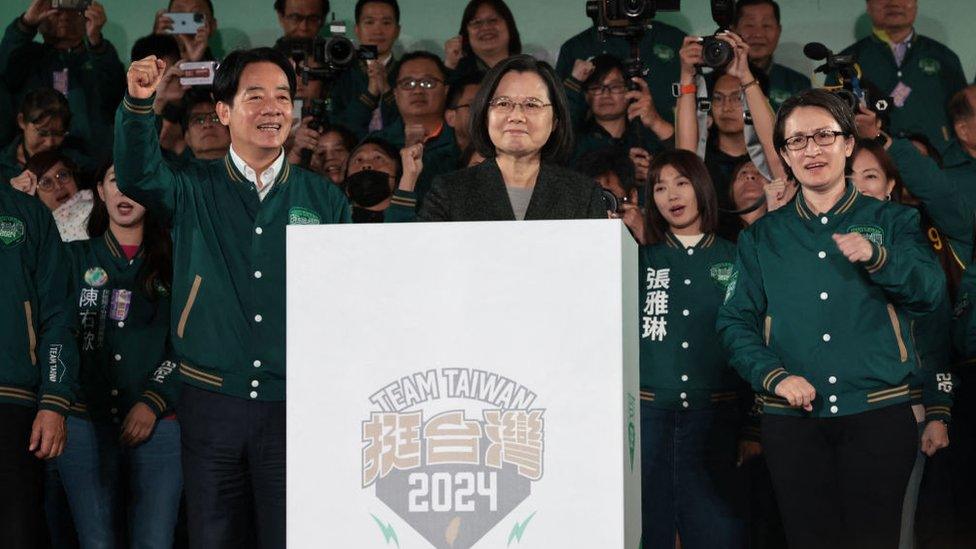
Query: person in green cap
[228,321]
[818,318]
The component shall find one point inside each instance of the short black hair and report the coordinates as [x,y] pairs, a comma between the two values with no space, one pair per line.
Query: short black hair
[279,6]
[385,146]
[458,86]
[392,3]
[192,98]
[42,103]
[560,143]
[746,3]
[612,159]
[160,45]
[501,8]
[348,138]
[959,106]
[603,64]
[209,5]
[228,76]
[420,54]
[838,108]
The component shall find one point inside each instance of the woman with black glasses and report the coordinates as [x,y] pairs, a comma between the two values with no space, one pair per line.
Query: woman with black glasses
[520,123]
[819,319]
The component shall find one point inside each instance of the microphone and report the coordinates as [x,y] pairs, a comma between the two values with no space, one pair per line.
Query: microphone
[816,51]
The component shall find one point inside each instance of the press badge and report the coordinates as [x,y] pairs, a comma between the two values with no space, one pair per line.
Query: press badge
[900,94]
[119,308]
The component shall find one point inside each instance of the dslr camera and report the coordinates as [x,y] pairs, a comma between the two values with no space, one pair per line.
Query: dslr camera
[76,5]
[717,53]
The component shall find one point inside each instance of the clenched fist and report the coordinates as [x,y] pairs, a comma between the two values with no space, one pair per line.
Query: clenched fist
[144,76]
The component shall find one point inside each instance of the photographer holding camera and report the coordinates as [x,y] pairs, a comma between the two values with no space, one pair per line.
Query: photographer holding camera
[362,98]
[74,59]
[919,74]
[758,23]
[658,46]
[193,47]
[734,86]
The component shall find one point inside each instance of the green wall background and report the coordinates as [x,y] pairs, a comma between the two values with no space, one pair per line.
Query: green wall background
[545,24]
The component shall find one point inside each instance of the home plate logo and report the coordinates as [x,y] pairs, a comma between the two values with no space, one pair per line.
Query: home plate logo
[452,452]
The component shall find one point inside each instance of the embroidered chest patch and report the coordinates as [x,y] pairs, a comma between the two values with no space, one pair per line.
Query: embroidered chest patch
[873,233]
[303,216]
[11,231]
[96,277]
[730,288]
[721,273]
[663,52]
[929,66]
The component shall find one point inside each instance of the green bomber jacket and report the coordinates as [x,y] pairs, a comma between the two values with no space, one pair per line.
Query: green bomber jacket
[228,315]
[38,355]
[123,333]
[796,305]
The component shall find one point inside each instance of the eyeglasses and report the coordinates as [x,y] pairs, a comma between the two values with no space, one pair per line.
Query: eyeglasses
[51,133]
[297,19]
[408,84]
[48,184]
[615,89]
[477,24]
[507,105]
[821,138]
[204,119]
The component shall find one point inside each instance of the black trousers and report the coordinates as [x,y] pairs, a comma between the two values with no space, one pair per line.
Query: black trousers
[840,481]
[233,470]
[21,481]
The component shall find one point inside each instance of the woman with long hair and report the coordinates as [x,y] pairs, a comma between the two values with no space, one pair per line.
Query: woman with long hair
[122,432]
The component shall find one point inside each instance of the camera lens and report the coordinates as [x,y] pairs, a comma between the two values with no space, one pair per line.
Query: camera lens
[634,8]
[198,17]
[340,51]
[716,53]
[610,200]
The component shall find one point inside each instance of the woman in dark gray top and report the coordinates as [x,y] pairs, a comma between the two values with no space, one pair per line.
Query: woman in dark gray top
[520,123]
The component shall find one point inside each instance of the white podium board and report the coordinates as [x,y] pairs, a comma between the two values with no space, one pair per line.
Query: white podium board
[463,385]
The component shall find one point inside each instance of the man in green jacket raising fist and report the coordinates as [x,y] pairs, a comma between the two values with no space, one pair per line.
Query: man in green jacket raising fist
[228,323]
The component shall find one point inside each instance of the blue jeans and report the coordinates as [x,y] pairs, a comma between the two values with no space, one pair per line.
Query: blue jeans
[690,483]
[92,468]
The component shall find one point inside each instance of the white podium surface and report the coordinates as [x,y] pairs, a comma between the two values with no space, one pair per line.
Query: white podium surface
[463,385]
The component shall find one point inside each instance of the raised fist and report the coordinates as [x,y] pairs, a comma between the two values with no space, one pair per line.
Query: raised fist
[144,76]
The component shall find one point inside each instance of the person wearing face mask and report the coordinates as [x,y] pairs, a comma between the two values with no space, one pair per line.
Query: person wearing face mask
[371,174]
[75,60]
[520,123]
[488,34]
[875,175]
[43,119]
[362,97]
[121,424]
[53,178]
[758,23]
[229,286]
[818,319]
[691,400]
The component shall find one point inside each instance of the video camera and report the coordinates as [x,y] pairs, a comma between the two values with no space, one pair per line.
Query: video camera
[854,90]
[626,17]
[332,56]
